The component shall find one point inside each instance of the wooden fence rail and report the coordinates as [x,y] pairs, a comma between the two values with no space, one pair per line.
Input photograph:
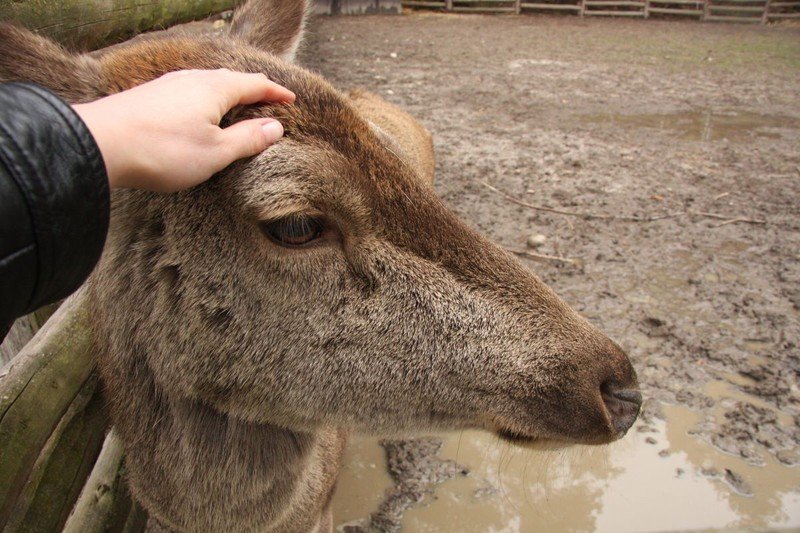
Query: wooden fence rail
[52,428]
[89,24]
[755,11]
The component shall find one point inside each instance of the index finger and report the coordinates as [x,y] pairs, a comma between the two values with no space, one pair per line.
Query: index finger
[241,88]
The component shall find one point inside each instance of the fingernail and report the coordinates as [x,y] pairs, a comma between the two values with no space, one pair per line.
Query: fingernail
[273,130]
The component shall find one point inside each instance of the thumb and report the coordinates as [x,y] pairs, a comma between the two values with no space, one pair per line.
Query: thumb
[250,137]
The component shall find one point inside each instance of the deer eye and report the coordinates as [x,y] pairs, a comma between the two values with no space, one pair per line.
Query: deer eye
[294,230]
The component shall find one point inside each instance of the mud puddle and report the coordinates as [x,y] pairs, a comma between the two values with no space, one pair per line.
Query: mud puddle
[663,478]
[702,125]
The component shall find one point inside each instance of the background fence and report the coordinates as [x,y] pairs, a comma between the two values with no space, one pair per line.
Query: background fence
[756,11]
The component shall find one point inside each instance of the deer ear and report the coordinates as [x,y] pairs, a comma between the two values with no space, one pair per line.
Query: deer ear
[275,26]
[25,56]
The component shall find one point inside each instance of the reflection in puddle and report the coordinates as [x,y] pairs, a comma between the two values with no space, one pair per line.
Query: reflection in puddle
[649,481]
[703,125]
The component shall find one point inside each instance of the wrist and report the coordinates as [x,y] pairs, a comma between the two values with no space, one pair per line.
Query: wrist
[110,140]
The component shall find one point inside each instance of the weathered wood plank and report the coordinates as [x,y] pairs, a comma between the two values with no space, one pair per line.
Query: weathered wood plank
[737,9]
[680,2]
[670,11]
[23,331]
[417,3]
[564,7]
[104,500]
[89,24]
[720,18]
[589,12]
[36,389]
[63,465]
[487,2]
[614,3]
[484,9]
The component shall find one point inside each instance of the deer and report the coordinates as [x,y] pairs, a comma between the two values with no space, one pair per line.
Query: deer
[247,327]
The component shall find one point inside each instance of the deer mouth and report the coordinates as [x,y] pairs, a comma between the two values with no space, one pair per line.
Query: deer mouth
[515,437]
[539,444]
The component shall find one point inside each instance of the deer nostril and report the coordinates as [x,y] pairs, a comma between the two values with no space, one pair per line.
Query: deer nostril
[623,405]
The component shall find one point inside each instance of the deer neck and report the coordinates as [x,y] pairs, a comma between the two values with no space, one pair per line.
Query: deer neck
[206,469]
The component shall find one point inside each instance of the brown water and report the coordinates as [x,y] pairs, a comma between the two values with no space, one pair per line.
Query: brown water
[626,486]
[702,125]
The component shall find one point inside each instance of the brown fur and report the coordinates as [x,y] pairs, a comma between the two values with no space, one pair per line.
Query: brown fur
[28,57]
[235,368]
[402,132]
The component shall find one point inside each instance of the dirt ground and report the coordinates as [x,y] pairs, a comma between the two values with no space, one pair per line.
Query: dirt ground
[681,139]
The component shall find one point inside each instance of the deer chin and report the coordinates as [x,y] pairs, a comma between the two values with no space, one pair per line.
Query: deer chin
[549,442]
[517,438]
[539,444]
[545,444]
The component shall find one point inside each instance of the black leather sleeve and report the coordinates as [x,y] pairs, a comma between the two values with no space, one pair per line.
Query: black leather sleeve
[54,200]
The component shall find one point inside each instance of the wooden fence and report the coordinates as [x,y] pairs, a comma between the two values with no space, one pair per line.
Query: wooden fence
[60,467]
[756,11]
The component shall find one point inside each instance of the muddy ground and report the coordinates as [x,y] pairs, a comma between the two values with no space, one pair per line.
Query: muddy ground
[630,121]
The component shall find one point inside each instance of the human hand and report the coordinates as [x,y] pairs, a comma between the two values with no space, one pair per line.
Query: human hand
[164,135]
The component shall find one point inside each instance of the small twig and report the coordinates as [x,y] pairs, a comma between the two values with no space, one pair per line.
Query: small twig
[735,220]
[727,219]
[731,221]
[577,213]
[542,257]
[721,196]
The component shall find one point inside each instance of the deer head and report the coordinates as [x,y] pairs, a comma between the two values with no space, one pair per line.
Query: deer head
[323,282]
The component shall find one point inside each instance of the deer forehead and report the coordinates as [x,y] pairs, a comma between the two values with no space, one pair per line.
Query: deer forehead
[331,159]
[334,162]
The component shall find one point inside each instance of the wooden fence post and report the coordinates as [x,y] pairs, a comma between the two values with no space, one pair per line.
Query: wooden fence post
[89,24]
